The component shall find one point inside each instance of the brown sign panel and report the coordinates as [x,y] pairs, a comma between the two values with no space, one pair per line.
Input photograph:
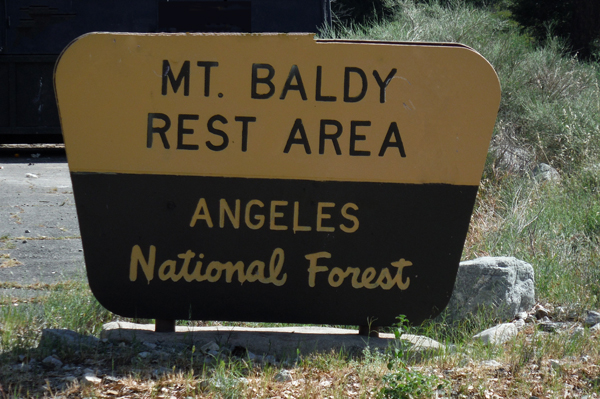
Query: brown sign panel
[274,178]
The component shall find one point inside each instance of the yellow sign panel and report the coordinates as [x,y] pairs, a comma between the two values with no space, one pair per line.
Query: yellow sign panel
[276,106]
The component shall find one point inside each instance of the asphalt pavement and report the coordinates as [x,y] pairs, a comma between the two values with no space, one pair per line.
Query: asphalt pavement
[40,241]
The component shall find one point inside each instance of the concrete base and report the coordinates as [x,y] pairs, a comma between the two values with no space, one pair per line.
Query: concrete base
[282,342]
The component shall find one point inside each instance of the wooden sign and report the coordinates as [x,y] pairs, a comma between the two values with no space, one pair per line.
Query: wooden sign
[273,178]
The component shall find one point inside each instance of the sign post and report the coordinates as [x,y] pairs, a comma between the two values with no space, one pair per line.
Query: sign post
[274,178]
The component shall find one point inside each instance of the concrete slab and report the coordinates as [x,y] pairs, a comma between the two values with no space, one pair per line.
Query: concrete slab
[281,342]
[42,261]
[37,199]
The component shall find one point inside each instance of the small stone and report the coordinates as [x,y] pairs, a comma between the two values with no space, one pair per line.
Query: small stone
[149,345]
[497,335]
[491,363]
[251,356]
[549,326]
[144,355]
[52,362]
[213,353]
[592,318]
[541,312]
[22,368]
[160,371]
[89,379]
[578,332]
[27,231]
[270,360]
[31,176]
[89,372]
[211,346]
[595,330]
[521,316]
[71,379]
[283,376]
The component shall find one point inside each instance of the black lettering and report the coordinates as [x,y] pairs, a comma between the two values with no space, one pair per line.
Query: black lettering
[207,65]
[383,84]
[357,137]
[266,81]
[217,132]
[181,131]
[318,95]
[333,137]
[298,127]
[160,130]
[294,74]
[245,120]
[363,90]
[392,131]
[184,75]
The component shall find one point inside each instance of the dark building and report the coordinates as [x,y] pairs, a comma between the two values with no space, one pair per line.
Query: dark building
[34,32]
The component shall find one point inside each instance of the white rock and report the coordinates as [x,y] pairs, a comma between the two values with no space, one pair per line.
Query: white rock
[419,341]
[283,376]
[491,363]
[497,335]
[31,176]
[89,379]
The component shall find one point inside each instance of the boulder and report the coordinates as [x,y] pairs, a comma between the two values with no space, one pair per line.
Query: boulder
[502,284]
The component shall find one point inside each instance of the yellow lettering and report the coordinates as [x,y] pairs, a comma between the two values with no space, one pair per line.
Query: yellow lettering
[297,226]
[337,276]
[259,218]
[385,275]
[214,266]
[187,257]
[225,209]
[368,276]
[355,274]
[401,264]
[259,274]
[351,218]
[197,273]
[275,215]
[321,216]
[201,213]
[147,266]
[230,269]
[274,269]
[167,271]
[313,268]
